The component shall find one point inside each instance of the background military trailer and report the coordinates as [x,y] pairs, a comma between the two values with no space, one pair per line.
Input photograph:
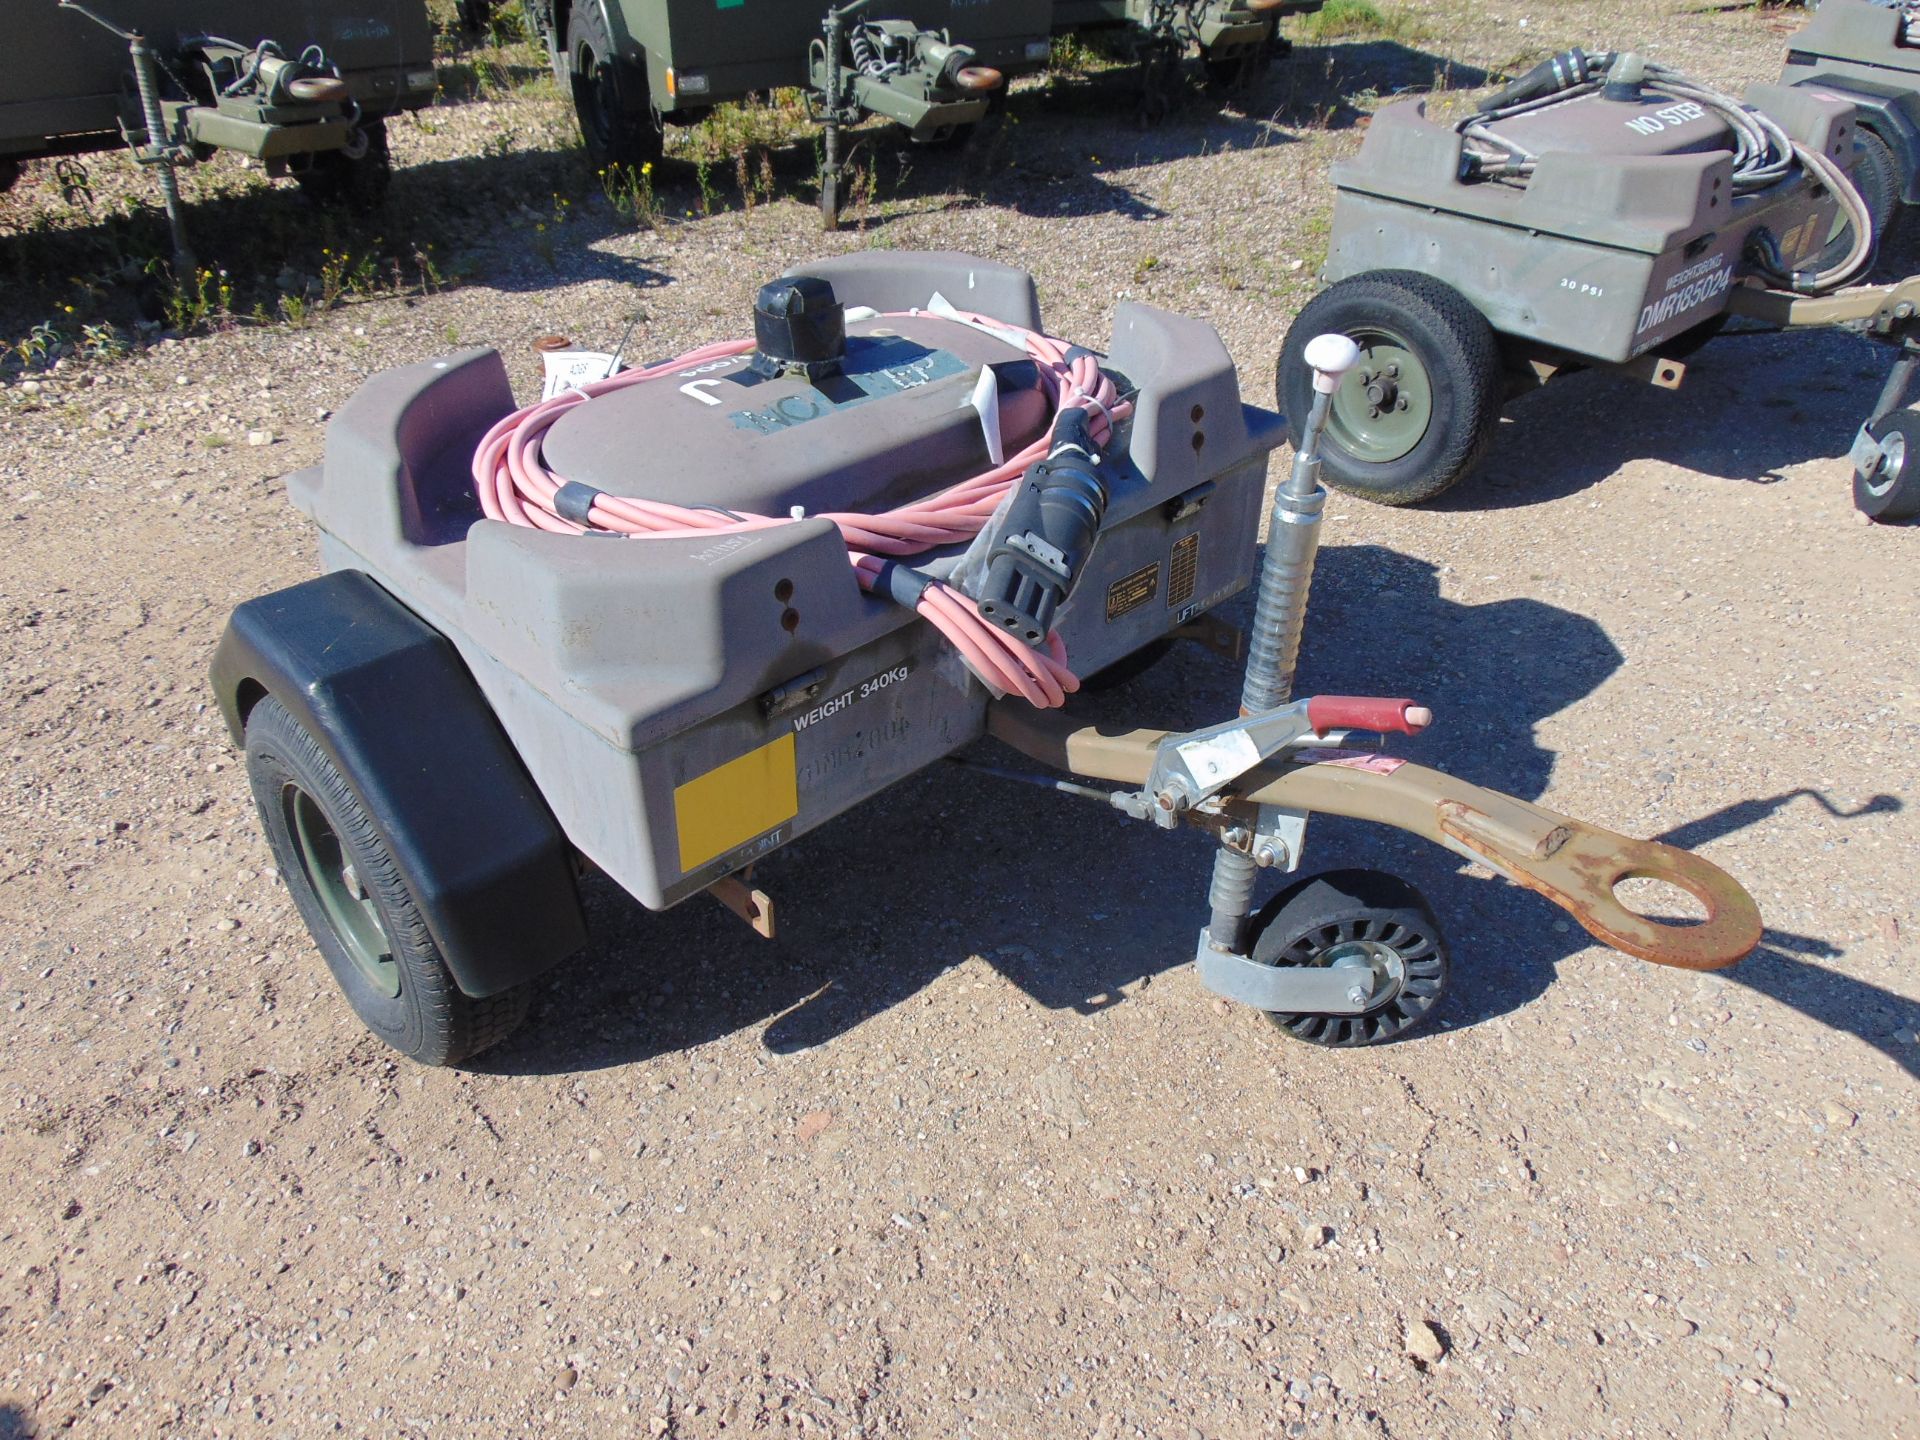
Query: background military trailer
[304,87]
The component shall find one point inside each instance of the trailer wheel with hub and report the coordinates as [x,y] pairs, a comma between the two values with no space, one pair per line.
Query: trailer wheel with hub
[1419,409]
[1888,488]
[357,177]
[1366,921]
[609,93]
[369,926]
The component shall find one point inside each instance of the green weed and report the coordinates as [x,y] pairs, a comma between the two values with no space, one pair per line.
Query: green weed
[1344,19]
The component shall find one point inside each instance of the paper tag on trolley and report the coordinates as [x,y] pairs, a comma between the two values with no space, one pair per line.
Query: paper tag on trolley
[574,369]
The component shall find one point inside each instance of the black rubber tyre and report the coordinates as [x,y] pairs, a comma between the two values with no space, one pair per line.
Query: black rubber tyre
[359,182]
[1876,175]
[367,924]
[609,94]
[1314,920]
[1441,412]
[1128,667]
[1893,492]
[1240,72]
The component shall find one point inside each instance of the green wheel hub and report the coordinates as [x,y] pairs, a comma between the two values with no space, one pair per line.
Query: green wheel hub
[1383,408]
[342,892]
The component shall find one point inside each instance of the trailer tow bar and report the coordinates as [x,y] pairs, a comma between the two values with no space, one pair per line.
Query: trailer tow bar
[1254,780]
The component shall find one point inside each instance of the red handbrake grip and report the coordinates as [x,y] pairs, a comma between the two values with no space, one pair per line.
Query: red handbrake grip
[1363,712]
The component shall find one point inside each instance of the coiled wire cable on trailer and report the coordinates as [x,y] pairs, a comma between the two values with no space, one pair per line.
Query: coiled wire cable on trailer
[1764,154]
[515,485]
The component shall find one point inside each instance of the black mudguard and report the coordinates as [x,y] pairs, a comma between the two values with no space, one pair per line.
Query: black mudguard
[394,708]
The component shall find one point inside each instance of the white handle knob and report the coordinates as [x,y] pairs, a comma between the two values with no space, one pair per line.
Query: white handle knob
[1331,356]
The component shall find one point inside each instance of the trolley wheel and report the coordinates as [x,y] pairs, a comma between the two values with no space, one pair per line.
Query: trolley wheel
[1876,176]
[1892,491]
[1365,919]
[609,93]
[1419,410]
[368,925]
[359,182]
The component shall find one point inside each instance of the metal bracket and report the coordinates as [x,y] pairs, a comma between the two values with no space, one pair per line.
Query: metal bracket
[1198,765]
[753,906]
[1274,840]
[1867,454]
[1288,989]
[1656,370]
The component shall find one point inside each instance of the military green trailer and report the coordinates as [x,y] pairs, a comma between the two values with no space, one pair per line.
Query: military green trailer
[936,67]
[1235,39]
[303,85]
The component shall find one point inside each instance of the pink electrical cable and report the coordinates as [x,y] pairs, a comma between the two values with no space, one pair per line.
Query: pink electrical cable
[515,485]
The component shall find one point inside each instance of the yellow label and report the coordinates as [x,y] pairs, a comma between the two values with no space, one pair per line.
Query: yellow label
[730,805]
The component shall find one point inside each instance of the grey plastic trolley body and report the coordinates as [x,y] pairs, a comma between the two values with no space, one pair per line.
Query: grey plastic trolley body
[1627,234]
[685,705]
[1868,54]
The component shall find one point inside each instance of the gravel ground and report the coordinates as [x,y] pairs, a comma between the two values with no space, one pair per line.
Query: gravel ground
[969,1151]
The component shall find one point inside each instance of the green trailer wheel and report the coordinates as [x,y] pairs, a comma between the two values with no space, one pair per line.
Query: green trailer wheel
[1385,405]
[1419,410]
[610,93]
[373,931]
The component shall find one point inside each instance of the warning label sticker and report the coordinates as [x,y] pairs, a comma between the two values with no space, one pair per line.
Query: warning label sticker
[1183,568]
[1130,592]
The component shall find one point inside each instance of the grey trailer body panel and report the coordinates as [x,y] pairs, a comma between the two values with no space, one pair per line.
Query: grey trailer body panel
[1601,254]
[1858,51]
[651,684]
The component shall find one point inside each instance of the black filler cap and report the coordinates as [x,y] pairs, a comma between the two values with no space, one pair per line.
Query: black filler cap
[798,325]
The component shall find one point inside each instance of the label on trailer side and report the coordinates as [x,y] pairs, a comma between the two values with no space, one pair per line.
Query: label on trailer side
[865,690]
[1689,289]
[1130,592]
[732,803]
[1183,569]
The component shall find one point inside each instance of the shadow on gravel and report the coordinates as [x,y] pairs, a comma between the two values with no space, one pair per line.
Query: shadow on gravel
[1781,970]
[1068,902]
[1753,404]
[1077,908]
[1884,1020]
[15,1423]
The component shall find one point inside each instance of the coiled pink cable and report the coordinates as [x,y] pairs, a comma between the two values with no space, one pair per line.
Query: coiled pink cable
[515,485]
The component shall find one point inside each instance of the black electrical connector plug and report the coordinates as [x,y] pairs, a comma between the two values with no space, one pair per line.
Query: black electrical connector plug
[1035,556]
[1557,72]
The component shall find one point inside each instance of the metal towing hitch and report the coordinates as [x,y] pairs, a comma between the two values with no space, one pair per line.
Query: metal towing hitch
[1886,481]
[1254,780]
[919,78]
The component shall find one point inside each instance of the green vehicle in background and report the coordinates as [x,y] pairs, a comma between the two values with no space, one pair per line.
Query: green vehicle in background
[1235,39]
[936,67]
[304,86]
